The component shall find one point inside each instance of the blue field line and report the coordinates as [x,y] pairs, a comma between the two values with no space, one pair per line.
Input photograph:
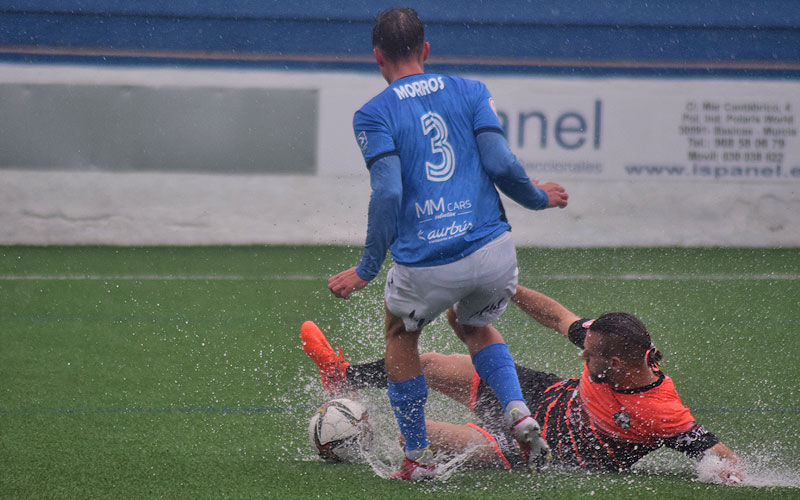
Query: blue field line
[724,410]
[308,277]
[134,411]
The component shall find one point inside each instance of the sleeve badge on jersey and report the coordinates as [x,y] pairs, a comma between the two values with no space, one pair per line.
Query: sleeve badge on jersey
[362,141]
[491,105]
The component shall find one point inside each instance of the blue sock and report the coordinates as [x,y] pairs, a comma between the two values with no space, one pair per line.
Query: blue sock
[495,365]
[408,402]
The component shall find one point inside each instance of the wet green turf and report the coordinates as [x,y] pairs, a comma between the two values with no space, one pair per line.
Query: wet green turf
[176,372]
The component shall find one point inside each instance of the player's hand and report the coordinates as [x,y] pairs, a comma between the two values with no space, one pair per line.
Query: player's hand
[732,477]
[556,194]
[345,283]
[726,464]
[731,472]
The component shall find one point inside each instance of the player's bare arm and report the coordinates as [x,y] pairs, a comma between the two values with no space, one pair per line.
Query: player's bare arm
[544,309]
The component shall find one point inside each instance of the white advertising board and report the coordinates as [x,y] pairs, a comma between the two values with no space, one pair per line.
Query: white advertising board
[646,162]
[654,129]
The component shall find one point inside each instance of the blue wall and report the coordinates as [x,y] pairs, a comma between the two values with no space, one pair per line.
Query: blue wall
[587,37]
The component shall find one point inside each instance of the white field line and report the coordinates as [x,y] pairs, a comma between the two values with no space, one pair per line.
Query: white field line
[158,277]
[303,277]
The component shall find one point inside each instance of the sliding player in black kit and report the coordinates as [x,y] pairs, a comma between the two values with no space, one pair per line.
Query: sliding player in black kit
[620,409]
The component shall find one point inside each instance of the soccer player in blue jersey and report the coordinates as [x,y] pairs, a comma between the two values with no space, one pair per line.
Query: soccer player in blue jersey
[435,151]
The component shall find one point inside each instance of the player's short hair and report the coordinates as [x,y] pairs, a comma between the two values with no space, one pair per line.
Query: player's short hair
[399,33]
[625,336]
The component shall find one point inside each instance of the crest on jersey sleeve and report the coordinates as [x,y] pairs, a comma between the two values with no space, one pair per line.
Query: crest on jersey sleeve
[362,141]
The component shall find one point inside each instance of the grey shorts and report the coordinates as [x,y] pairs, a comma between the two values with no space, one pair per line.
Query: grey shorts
[479,287]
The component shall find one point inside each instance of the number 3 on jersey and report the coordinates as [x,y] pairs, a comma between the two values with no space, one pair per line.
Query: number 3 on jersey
[433,124]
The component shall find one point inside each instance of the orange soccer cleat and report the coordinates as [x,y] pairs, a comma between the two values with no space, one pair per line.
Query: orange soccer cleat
[331,364]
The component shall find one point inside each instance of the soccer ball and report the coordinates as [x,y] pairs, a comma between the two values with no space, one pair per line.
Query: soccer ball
[340,431]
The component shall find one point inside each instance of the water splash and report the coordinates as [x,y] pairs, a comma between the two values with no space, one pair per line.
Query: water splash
[362,319]
[761,469]
[386,453]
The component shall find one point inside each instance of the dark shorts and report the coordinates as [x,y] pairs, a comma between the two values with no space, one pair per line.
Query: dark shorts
[487,407]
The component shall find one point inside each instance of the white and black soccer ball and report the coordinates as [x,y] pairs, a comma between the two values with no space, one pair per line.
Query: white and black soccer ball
[340,431]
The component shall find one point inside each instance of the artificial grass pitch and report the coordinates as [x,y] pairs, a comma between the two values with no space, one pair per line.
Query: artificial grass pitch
[177,373]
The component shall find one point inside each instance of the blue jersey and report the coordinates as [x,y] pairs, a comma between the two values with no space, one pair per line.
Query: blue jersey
[450,206]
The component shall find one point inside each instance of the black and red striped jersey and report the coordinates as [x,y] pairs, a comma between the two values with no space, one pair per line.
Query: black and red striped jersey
[591,425]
